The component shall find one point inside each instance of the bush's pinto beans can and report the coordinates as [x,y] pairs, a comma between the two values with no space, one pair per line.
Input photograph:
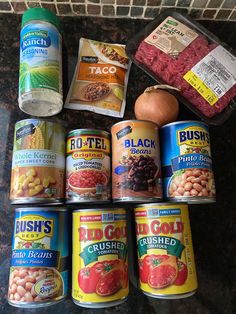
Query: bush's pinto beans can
[99,262]
[38,162]
[136,168]
[187,163]
[88,166]
[165,252]
[39,263]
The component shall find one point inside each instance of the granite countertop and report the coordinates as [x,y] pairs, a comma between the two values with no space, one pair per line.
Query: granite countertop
[213,225]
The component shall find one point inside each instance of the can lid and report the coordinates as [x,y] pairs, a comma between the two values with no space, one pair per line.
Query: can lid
[40,14]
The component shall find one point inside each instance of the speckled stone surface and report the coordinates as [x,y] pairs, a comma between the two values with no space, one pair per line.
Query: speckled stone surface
[213,226]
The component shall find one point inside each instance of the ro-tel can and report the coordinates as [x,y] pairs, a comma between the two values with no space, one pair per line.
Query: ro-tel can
[39,263]
[136,168]
[186,162]
[99,262]
[88,166]
[38,162]
[165,252]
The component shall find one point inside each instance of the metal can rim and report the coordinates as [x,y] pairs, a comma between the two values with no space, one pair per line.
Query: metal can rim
[184,121]
[97,209]
[133,120]
[160,204]
[39,119]
[103,132]
[24,209]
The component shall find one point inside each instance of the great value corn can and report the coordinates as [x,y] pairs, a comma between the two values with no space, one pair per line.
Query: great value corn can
[38,162]
[99,262]
[165,252]
[136,167]
[39,262]
[88,166]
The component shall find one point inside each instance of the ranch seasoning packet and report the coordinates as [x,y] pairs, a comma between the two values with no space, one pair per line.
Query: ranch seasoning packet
[100,79]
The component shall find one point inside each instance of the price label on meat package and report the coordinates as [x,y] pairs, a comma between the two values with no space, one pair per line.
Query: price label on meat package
[214,75]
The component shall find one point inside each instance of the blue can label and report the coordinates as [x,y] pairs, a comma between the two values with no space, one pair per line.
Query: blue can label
[39,263]
[186,160]
[40,58]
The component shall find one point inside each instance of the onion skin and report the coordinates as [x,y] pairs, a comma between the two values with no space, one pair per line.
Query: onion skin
[158,106]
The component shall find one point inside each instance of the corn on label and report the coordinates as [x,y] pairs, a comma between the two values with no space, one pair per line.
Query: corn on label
[38,162]
[99,266]
[166,260]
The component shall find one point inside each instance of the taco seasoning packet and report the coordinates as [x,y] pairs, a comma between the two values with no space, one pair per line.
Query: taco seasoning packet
[100,79]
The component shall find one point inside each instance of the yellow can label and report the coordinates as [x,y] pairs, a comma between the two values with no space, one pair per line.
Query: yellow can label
[99,263]
[165,252]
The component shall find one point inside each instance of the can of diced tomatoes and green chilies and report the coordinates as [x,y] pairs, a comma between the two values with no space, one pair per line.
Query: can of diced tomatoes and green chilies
[165,252]
[187,163]
[88,158]
[39,262]
[38,162]
[99,258]
[136,168]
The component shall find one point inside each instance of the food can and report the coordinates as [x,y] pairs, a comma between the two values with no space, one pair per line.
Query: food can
[165,251]
[187,163]
[39,262]
[88,166]
[99,261]
[38,162]
[136,168]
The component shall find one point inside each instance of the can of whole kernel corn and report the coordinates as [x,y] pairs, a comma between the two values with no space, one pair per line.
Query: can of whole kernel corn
[99,262]
[39,263]
[165,252]
[38,162]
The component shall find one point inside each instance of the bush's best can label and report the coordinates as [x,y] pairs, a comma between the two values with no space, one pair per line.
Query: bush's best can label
[39,263]
[99,262]
[136,168]
[88,166]
[38,162]
[187,163]
[165,252]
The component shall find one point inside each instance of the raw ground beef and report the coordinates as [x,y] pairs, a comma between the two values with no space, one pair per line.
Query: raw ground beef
[172,71]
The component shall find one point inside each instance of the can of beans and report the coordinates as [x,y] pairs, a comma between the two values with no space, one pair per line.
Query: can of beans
[187,163]
[165,252]
[136,168]
[38,162]
[39,262]
[88,166]
[99,258]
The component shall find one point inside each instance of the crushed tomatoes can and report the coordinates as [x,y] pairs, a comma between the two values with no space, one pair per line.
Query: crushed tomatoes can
[38,162]
[165,252]
[39,262]
[88,166]
[99,261]
[136,168]
[187,162]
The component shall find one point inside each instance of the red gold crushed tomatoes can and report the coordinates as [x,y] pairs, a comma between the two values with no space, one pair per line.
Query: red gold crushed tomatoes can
[99,259]
[88,166]
[165,252]
[136,168]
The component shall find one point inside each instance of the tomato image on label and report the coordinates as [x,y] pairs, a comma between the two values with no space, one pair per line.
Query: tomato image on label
[149,262]
[87,179]
[182,274]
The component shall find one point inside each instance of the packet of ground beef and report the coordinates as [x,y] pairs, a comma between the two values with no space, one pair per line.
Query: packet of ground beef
[177,51]
[100,79]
